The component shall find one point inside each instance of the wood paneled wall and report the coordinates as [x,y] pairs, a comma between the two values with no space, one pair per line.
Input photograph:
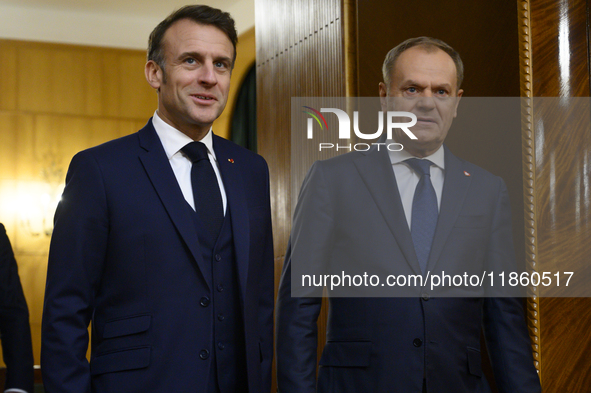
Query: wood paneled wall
[554,59]
[483,33]
[57,100]
[299,54]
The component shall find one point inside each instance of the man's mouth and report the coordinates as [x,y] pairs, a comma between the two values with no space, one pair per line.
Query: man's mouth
[426,120]
[202,97]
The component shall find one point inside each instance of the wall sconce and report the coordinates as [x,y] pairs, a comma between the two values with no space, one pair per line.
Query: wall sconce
[36,203]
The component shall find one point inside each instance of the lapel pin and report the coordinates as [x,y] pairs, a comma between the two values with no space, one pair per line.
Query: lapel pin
[466,173]
[232,161]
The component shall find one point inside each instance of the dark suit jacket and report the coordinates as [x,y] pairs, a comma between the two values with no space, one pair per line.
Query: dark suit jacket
[349,209]
[125,254]
[15,331]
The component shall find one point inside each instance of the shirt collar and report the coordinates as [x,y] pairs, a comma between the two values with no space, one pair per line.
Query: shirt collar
[437,158]
[173,140]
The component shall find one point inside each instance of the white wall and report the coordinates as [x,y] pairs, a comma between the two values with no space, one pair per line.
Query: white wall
[104,28]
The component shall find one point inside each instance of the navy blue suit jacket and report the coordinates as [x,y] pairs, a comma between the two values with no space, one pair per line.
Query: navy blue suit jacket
[125,255]
[15,331]
[349,209]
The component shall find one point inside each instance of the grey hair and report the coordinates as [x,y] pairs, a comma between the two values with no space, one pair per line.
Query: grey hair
[428,44]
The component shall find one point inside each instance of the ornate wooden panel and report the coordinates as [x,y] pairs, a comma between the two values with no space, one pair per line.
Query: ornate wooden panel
[554,62]
[300,53]
[56,100]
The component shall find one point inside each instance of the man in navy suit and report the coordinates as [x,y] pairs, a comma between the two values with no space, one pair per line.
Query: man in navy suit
[162,240]
[361,209]
[15,331]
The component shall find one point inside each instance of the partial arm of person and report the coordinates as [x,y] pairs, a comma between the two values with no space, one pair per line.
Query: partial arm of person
[76,259]
[507,338]
[15,330]
[296,320]
[267,295]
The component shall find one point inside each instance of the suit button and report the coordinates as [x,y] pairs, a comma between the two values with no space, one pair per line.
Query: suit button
[425,296]
[204,301]
[218,257]
[417,342]
[204,354]
[221,346]
[220,288]
[221,317]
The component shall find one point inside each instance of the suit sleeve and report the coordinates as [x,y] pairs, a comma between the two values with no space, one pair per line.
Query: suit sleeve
[76,257]
[15,330]
[297,311]
[267,297]
[505,330]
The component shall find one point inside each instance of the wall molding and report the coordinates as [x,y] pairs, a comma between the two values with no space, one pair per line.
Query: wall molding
[529,174]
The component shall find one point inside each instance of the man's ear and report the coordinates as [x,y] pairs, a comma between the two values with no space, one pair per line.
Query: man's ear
[383,96]
[460,93]
[154,74]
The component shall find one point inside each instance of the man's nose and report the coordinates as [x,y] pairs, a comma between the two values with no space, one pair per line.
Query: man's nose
[426,100]
[207,75]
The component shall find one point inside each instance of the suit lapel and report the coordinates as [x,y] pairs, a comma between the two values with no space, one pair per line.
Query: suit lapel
[455,188]
[234,187]
[162,177]
[375,169]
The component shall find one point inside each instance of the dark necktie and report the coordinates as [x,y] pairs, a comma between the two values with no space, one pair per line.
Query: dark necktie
[206,190]
[424,211]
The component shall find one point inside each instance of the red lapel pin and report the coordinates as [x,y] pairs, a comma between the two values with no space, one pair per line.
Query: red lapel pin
[232,160]
[466,173]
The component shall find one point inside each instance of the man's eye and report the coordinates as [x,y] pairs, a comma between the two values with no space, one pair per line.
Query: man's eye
[441,92]
[412,89]
[219,64]
[190,60]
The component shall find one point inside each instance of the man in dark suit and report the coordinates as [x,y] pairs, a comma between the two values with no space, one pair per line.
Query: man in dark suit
[15,331]
[418,211]
[163,240]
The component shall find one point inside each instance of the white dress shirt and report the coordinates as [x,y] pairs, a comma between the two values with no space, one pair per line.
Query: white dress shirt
[407,179]
[173,141]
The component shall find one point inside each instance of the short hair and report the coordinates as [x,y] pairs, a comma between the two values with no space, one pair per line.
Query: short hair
[427,43]
[201,14]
